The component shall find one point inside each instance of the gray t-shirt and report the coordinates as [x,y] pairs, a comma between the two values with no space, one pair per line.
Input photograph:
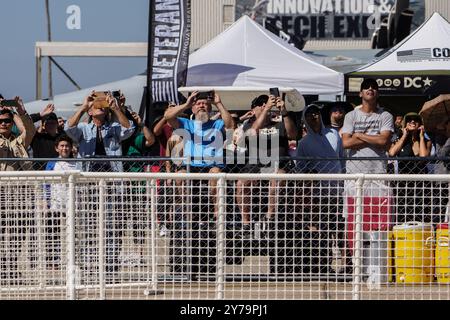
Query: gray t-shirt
[373,123]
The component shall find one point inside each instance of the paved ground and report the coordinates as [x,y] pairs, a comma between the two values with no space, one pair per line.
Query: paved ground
[238,290]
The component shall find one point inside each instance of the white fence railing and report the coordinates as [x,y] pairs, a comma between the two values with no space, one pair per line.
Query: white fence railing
[77,235]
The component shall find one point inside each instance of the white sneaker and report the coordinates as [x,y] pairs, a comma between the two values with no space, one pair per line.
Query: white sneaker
[162,230]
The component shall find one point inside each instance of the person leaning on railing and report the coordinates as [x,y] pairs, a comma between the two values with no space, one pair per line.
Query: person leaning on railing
[413,197]
[16,199]
[412,142]
[12,146]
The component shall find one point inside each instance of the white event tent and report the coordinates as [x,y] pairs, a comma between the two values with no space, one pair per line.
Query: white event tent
[412,67]
[247,60]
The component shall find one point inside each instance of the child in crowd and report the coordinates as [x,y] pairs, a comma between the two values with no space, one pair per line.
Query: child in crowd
[58,199]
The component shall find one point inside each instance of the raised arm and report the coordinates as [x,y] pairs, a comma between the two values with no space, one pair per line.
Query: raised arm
[225,115]
[121,118]
[261,120]
[28,127]
[171,114]
[291,128]
[398,145]
[159,127]
[149,137]
[425,145]
[87,104]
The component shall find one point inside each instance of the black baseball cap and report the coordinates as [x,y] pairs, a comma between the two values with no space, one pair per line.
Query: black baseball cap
[50,116]
[259,101]
[367,83]
[312,109]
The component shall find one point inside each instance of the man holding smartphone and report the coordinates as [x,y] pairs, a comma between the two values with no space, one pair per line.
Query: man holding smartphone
[267,144]
[102,137]
[206,154]
[15,223]
[12,146]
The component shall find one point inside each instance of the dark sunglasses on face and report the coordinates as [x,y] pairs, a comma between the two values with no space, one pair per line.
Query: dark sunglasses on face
[411,120]
[370,86]
[6,120]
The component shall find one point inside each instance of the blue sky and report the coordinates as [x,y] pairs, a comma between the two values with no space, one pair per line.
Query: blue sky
[24,22]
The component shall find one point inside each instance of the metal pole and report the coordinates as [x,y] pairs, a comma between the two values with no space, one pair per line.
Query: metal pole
[153,232]
[38,75]
[357,256]
[153,216]
[148,97]
[65,73]
[70,233]
[49,39]
[40,237]
[101,239]
[220,242]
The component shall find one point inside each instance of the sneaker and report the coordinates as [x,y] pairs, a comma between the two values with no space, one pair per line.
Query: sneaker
[162,230]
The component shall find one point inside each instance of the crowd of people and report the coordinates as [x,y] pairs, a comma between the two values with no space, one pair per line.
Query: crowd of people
[265,139]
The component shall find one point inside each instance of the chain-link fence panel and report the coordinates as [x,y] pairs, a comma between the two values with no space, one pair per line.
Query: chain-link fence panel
[218,235]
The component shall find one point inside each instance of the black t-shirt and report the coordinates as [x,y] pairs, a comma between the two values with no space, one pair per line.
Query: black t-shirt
[411,167]
[273,131]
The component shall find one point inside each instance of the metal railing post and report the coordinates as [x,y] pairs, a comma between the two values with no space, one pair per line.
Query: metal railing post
[357,256]
[101,238]
[70,234]
[153,228]
[220,242]
[40,236]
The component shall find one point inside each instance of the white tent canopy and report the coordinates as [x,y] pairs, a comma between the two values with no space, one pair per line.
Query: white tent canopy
[413,64]
[247,55]
[239,98]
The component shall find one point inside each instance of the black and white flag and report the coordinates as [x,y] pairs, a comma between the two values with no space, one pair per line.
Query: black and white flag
[169,47]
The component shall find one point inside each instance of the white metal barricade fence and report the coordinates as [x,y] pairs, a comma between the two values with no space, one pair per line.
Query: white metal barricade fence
[77,235]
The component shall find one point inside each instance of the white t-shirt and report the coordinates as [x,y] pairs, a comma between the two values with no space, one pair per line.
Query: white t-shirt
[373,123]
[59,194]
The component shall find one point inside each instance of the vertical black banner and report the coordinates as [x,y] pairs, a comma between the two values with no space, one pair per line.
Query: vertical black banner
[168,50]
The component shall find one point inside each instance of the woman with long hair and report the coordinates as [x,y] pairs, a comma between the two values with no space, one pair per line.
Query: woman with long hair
[412,198]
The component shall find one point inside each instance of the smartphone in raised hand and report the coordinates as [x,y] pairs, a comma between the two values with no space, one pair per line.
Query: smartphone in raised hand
[207,95]
[8,103]
[100,101]
[274,92]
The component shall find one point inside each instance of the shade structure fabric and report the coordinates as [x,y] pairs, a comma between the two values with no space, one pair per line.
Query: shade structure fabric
[247,55]
[412,67]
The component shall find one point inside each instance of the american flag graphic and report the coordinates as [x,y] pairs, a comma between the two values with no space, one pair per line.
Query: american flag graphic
[414,55]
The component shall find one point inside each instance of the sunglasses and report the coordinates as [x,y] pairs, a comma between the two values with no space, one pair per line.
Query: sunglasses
[411,120]
[6,120]
[367,87]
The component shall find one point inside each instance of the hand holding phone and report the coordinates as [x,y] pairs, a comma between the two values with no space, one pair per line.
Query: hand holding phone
[206,95]
[274,92]
[100,101]
[8,103]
